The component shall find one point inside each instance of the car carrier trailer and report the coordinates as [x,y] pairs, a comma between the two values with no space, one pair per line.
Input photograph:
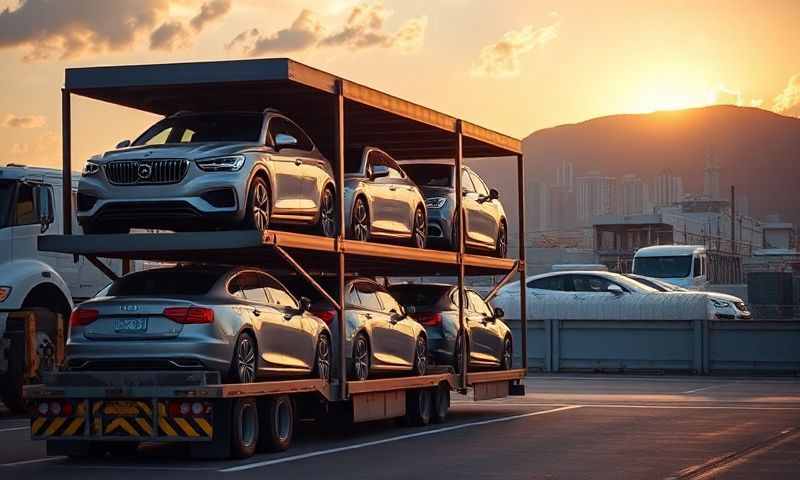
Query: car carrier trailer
[82,413]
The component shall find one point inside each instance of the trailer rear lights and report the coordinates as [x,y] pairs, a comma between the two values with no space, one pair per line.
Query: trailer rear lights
[82,316]
[4,293]
[184,409]
[55,409]
[190,315]
[326,316]
[430,319]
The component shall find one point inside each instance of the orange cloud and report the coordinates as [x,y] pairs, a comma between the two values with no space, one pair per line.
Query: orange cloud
[787,101]
[502,59]
[24,121]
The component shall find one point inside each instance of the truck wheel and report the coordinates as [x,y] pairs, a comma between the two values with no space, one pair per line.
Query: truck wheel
[277,425]
[441,403]
[11,387]
[419,407]
[244,428]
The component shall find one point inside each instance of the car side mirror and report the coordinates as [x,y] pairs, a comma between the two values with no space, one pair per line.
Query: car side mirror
[44,206]
[493,194]
[305,304]
[615,289]
[379,171]
[124,144]
[499,313]
[283,140]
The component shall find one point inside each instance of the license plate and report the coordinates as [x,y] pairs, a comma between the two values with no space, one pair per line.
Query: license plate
[130,325]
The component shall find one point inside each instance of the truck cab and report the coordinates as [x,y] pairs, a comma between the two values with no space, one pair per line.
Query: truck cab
[682,265]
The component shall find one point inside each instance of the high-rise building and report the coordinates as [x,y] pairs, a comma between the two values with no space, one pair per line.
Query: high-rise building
[711,179]
[596,195]
[667,189]
[632,195]
[565,175]
[561,208]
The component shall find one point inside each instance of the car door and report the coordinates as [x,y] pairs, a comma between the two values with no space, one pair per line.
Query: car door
[482,342]
[594,297]
[406,193]
[298,330]
[404,333]
[287,170]
[312,170]
[378,325]
[389,213]
[487,219]
[472,211]
[268,322]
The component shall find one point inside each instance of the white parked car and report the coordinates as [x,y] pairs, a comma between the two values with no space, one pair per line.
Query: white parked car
[725,307]
[594,295]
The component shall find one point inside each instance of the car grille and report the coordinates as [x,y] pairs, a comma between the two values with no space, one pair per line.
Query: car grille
[146,172]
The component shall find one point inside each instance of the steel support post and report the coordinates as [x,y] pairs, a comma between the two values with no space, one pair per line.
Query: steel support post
[339,110]
[460,227]
[523,296]
[66,159]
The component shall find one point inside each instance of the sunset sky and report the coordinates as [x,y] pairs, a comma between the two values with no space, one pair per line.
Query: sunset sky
[513,66]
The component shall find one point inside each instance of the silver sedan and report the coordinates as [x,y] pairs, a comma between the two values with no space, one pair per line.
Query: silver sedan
[381,201]
[241,322]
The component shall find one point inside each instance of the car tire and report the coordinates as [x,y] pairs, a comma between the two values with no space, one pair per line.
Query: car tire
[277,424]
[419,407]
[441,403]
[244,428]
[328,224]
[259,205]
[457,354]
[501,244]
[420,365]
[419,230]
[359,221]
[244,365]
[322,359]
[507,359]
[359,368]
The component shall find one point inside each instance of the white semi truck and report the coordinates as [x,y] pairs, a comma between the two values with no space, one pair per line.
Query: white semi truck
[43,282]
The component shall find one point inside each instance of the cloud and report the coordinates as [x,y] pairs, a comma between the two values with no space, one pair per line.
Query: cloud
[756,102]
[70,28]
[788,101]
[209,12]
[24,121]
[169,36]
[44,150]
[364,28]
[502,59]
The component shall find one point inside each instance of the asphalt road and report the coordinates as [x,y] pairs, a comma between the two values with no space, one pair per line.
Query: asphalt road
[566,427]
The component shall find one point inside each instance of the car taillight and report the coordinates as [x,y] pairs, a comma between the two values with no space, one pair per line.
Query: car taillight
[189,314]
[429,319]
[326,316]
[82,316]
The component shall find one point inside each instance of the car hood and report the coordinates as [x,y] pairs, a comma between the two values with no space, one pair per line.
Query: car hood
[723,297]
[430,192]
[189,151]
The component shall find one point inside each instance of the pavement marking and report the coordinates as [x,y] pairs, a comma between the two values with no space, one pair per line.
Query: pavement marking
[620,405]
[35,460]
[709,387]
[318,453]
[12,429]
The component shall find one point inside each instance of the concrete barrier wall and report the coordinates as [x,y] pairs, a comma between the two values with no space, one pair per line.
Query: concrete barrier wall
[696,346]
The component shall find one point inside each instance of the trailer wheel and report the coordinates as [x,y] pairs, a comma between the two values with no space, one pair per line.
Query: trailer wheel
[441,403]
[244,428]
[419,407]
[277,424]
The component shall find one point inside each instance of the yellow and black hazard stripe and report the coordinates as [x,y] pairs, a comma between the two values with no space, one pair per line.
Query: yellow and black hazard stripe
[43,426]
[122,419]
[183,426]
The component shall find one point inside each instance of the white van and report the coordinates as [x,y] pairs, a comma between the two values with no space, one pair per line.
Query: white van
[682,265]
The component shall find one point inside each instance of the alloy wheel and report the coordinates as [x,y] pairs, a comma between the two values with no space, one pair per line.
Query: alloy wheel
[421,356]
[261,207]
[507,354]
[246,360]
[502,242]
[420,229]
[324,358]
[328,214]
[360,221]
[361,358]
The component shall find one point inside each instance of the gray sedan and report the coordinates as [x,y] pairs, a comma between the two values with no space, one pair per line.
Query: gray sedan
[436,307]
[381,201]
[380,337]
[241,322]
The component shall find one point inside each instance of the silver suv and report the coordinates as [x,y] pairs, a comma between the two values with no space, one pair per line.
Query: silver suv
[210,170]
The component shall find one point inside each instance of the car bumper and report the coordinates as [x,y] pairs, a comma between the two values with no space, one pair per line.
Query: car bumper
[440,226]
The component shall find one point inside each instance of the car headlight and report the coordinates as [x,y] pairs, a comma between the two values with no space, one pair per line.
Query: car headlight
[90,169]
[4,293]
[435,202]
[720,303]
[232,163]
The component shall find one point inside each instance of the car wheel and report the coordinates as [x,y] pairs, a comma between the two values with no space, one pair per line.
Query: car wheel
[501,245]
[328,224]
[277,426]
[361,357]
[243,367]
[259,206]
[458,358]
[244,428]
[322,365]
[359,224]
[419,234]
[507,361]
[421,356]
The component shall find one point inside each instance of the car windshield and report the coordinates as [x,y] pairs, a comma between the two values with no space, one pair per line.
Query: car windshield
[430,174]
[417,296]
[206,127]
[663,267]
[159,283]
[6,192]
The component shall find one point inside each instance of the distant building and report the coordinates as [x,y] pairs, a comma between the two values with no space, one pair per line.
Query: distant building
[596,195]
[711,173]
[632,195]
[667,189]
[561,208]
[778,234]
[565,175]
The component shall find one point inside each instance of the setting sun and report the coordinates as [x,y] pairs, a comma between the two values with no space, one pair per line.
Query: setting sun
[673,87]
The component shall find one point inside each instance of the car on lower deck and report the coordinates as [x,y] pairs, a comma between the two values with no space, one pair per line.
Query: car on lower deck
[486,225]
[241,322]
[435,306]
[380,337]
[210,170]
